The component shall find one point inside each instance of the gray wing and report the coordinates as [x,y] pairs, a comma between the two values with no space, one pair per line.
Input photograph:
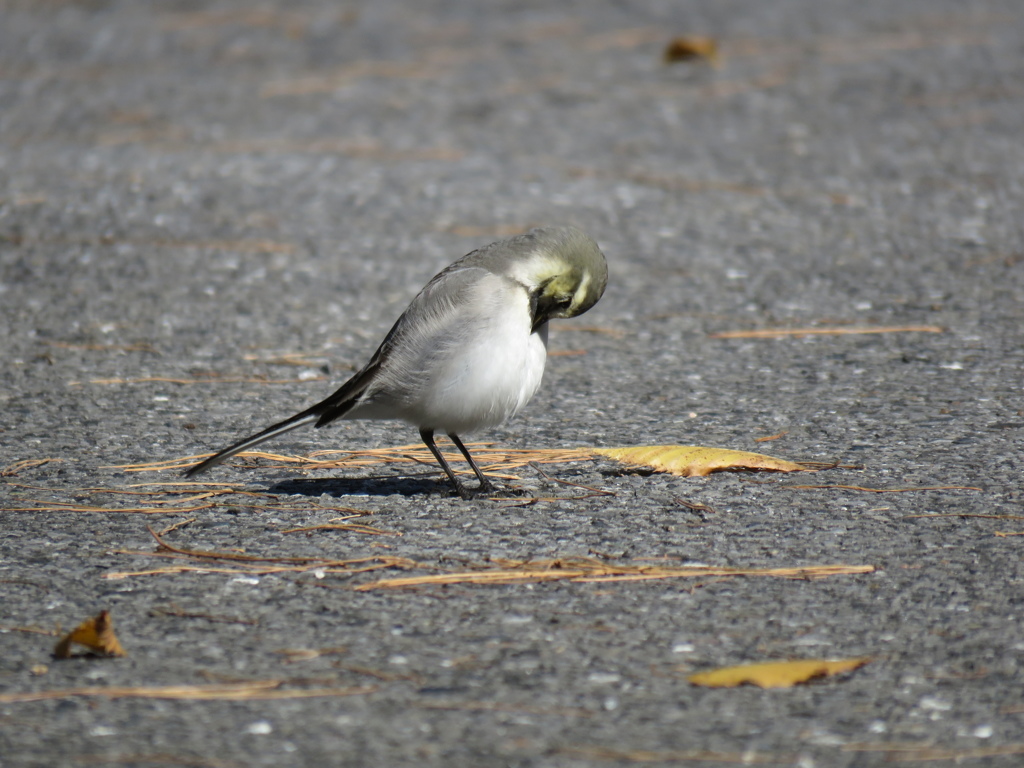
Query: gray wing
[438,319]
[432,316]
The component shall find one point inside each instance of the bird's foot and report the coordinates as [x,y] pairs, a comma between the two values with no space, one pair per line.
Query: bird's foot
[468,494]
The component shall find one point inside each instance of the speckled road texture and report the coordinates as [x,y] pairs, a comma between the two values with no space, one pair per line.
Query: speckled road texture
[193,196]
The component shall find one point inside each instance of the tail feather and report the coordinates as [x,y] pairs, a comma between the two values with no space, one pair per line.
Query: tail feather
[322,414]
[296,421]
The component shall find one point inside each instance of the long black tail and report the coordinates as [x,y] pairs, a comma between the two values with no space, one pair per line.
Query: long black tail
[296,421]
[322,414]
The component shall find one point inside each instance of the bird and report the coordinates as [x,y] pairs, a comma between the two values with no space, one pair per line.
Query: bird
[469,351]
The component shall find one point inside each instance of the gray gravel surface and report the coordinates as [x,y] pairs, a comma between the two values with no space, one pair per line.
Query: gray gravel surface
[190,192]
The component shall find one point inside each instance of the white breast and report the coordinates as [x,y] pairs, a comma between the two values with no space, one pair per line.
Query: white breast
[471,364]
[490,378]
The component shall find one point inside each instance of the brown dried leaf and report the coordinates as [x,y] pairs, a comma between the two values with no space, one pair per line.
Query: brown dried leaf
[587,569]
[775,333]
[255,690]
[689,48]
[776,674]
[13,469]
[96,634]
[696,460]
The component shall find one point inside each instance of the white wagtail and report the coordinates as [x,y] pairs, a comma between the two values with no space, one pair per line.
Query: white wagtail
[469,352]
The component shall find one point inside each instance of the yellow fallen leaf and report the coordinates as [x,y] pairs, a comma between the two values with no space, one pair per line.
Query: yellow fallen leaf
[696,460]
[776,674]
[96,634]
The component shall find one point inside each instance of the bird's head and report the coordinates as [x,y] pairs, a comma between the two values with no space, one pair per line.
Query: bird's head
[562,268]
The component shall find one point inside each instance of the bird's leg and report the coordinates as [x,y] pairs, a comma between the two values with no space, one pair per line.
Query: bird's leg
[427,435]
[485,484]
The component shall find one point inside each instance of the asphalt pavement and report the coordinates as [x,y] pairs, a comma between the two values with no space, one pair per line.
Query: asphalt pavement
[211,214]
